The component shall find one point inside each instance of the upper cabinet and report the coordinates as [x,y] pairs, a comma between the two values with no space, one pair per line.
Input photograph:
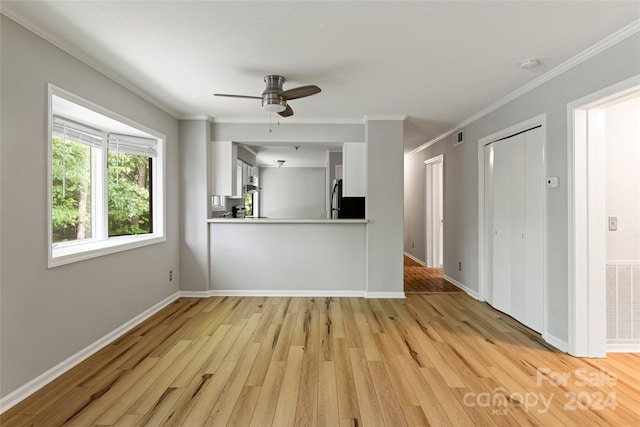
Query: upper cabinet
[224,174]
[354,169]
[229,174]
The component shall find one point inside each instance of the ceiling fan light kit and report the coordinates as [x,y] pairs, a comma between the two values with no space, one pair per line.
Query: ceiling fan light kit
[274,98]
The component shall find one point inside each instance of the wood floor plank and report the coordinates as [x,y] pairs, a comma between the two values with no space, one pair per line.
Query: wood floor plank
[263,360]
[435,414]
[367,398]
[366,336]
[223,408]
[202,406]
[157,390]
[432,359]
[131,395]
[243,410]
[397,377]
[345,386]
[307,404]
[285,411]
[389,405]
[328,414]
[268,399]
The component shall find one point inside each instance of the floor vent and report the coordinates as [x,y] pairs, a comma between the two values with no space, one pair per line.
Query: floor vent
[623,303]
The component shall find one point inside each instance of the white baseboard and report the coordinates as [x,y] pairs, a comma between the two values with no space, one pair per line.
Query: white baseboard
[473,294]
[390,295]
[556,342]
[289,293]
[419,261]
[282,293]
[195,294]
[623,347]
[21,393]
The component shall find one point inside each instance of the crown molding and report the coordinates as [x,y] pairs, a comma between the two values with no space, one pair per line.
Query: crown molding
[604,44]
[374,117]
[289,121]
[9,12]
[203,117]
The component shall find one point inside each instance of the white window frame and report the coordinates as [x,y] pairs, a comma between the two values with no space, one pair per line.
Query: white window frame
[101,244]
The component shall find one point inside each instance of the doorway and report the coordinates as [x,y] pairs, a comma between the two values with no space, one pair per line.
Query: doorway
[434,226]
[597,224]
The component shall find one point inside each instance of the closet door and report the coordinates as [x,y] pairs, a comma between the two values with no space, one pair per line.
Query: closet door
[534,231]
[502,225]
[514,214]
[488,223]
[518,245]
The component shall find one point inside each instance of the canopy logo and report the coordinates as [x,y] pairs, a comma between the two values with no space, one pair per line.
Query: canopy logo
[594,395]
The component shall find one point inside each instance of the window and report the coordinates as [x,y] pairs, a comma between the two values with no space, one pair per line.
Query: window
[106,181]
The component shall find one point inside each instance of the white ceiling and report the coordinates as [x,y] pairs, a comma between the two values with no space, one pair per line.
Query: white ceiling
[304,156]
[438,63]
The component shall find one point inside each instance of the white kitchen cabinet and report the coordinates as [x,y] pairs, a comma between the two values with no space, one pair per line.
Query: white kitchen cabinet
[224,174]
[354,169]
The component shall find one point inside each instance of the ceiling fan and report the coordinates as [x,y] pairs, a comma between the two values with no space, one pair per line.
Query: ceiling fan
[274,98]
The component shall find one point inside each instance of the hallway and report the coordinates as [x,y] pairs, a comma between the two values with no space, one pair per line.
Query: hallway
[422,280]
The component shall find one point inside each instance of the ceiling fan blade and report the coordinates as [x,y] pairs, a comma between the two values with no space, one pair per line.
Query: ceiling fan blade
[300,92]
[287,112]
[237,96]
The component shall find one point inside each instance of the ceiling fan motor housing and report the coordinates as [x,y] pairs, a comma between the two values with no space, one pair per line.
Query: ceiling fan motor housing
[271,99]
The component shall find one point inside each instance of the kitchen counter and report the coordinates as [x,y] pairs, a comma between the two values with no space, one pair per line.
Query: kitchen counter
[285,221]
[304,257]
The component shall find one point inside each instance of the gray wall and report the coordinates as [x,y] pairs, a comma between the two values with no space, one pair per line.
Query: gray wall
[293,192]
[194,203]
[47,315]
[617,63]
[384,205]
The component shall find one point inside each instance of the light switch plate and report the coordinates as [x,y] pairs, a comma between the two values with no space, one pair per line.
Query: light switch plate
[553,182]
[613,223]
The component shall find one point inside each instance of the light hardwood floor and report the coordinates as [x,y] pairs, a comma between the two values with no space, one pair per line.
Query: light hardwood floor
[432,359]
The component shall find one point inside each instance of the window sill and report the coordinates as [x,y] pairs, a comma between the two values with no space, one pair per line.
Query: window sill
[81,251]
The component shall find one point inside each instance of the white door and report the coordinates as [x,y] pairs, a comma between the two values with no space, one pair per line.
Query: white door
[514,214]
[488,222]
[534,229]
[434,225]
[502,226]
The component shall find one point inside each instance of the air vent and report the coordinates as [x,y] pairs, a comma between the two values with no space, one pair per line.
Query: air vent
[458,138]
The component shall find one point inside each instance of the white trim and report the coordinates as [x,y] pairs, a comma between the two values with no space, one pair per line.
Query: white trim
[209,119]
[473,294]
[419,261]
[21,393]
[102,244]
[585,313]
[282,293]
[435,159]
[68,48]
[289,121]
[400,117]
[623,347]
[288,293]
[431,255]
[389,295]
[556,342]
[578,59]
